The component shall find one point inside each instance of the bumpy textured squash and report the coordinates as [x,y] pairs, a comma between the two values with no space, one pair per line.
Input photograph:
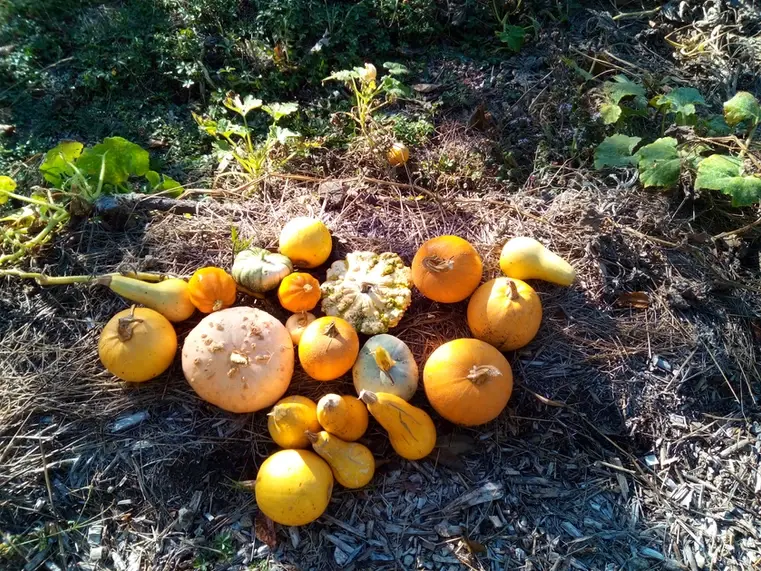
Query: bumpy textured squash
[306,241]
[447,269]
[467,381]
[410,429]
[299,292]
[525,258]
[398,154]
[290,418]
[385,364]
[352,463]
[212,289]
[240,359]
[137,344]
[169,297]
[344,416]
[293,487]
[328,348]
[260,270]
[505,313]
[296,324]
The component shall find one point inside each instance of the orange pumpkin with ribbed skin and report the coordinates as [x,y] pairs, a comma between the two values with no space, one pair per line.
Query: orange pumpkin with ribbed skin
[328,348]
[212,289]
[505,312]
[467,381]
[299,292]
[447,269]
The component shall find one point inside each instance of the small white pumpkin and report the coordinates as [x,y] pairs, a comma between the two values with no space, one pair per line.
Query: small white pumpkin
[260,270]
[386,365]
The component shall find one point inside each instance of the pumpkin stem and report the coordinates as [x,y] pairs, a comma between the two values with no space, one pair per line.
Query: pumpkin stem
[217,305]
[438,264]
[237,359]
[384,361]
[124,329]
[331,330]
[307,288]
[311,436]
[331,402]
[512,293]
[479,374]
[368,397]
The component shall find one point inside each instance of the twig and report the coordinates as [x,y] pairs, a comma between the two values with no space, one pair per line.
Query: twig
[739,231]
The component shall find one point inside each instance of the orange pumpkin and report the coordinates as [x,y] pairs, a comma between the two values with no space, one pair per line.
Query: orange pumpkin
[212,289]
[299,292]
[447,269]
[468,381]
[328,348]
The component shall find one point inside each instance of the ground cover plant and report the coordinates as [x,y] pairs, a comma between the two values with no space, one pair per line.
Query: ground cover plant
[482,276]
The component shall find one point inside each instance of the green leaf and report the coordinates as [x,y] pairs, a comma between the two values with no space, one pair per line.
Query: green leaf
[279,110]
[395,68]
[512,36]
[610,113]
[681,100]
[716,126]
[153,178]
[616,151]
[55,165]
[241,106]
[725,173]
[162,183]
[659,163]
[345,74]
[742,107]
[7,184]
[122,160]
[282,135]
[621,87]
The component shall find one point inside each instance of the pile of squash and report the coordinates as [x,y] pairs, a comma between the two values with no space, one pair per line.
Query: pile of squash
[242,359]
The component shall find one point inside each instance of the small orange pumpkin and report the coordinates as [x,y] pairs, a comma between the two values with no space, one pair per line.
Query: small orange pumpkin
[447,269]
[212,289]
[299,292]
[398,154]
[328,348]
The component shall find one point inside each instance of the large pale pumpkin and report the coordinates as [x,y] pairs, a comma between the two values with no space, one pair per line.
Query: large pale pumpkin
[386,365]
[240,359]
[467,381]
[328,348]
[447,269]
[505,312]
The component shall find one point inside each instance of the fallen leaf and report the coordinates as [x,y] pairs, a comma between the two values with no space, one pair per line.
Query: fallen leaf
[264,528]
[426,87]
[636,299]
[474,546]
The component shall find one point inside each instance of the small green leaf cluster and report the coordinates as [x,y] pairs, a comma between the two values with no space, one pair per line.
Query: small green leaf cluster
[662,162]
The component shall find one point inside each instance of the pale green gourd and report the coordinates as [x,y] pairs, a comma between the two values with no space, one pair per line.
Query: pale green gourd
[385,364]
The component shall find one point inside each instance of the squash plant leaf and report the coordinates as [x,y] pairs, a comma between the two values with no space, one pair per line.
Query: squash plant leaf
[279,110]
[725,174]
[7,184]
[659,163]
[512,37]
[716,126]
[681,101]
[56,164]
[742,107]
[395,68]
[123,159]
[163,183]
[616,151]
[619,88]
[241,106]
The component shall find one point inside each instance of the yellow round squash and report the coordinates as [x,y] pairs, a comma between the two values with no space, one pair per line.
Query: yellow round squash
[289,420]
[306,242]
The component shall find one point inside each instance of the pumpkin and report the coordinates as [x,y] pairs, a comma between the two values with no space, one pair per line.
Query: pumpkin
[289,420]
[398,154]
[296,324]
[306,241]
[240,359]
[328,348]
[212,289]
[260,270]
[410,429]
[505,313]
[344,416]
[385,364]
[170,297]
[137,344]
[293,487]
[353,464]
[446,269]
[467,381]
[525,258]
[299,292]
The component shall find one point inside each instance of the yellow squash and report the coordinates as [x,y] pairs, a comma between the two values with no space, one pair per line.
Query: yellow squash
[289,419]
[170,297]
[410,429]
[344,416]
[352,463]
[525,258]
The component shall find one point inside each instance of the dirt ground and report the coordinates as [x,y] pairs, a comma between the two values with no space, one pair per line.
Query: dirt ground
[633,437]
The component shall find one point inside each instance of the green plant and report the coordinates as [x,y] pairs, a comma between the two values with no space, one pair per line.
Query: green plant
[237,141]
[662,162]
[369,94]
[512,35]
[220,551]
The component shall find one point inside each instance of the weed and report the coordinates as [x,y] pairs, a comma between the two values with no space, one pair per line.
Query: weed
[220,551]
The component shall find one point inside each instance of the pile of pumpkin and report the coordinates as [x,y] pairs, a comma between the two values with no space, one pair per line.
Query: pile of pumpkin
[242,359]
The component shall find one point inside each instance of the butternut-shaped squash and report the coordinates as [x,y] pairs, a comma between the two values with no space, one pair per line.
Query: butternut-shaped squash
[169,297]
[352,463]
[525,258]
[410,429]
[289,420]
[344,416]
